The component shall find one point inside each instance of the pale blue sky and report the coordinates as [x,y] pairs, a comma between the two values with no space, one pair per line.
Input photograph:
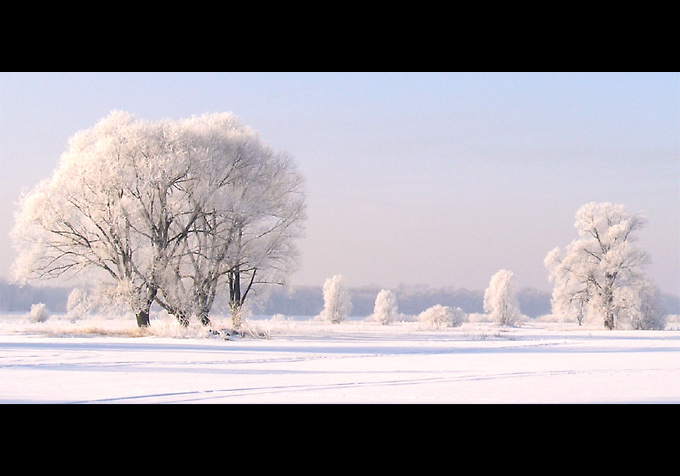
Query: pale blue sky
[417,178]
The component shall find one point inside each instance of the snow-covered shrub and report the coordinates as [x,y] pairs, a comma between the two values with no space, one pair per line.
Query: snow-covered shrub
[559,317]
[337,302]
[385,309]
[672,321]
[442,316]
[478,317]
[255,331]
[39,313]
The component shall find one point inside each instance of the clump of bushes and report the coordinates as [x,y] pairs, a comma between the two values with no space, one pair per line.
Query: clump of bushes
[38,313]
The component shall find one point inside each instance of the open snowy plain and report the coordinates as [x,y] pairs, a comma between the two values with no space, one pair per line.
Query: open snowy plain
[99,360]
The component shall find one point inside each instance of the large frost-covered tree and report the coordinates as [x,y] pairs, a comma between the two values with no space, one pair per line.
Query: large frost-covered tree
[250,205]
[600,274]
[92,213]
[337,301]
[500,299]
[164,211]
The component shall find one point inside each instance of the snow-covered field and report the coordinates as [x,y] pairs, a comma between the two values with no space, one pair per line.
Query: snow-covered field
[99,360]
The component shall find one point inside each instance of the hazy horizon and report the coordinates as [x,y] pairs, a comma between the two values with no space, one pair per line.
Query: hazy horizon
[439,179]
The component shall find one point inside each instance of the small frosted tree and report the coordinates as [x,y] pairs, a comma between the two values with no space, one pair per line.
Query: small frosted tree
[385,308]
[77,303]
[337,301]
[500,299]
[639,307]
[599,275]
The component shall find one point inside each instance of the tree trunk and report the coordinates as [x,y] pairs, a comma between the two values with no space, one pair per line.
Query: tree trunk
[143,315]
[237,297]
[609,301]
[609,319]
[235,302]
[203,318]
[183,319]
[143,319]
[236,315]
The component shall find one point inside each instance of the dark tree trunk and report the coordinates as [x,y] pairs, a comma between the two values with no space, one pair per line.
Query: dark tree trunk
[204,320]
[235,297]
[609,301]
[143,319]
[609,320]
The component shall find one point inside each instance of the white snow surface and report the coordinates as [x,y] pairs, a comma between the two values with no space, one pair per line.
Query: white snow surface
[302,361]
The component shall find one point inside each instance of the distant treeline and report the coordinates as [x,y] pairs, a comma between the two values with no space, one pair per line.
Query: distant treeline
[411,300]
[308,300]
[15,298]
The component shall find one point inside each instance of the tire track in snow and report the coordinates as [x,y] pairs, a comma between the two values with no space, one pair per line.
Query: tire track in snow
[202,395]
